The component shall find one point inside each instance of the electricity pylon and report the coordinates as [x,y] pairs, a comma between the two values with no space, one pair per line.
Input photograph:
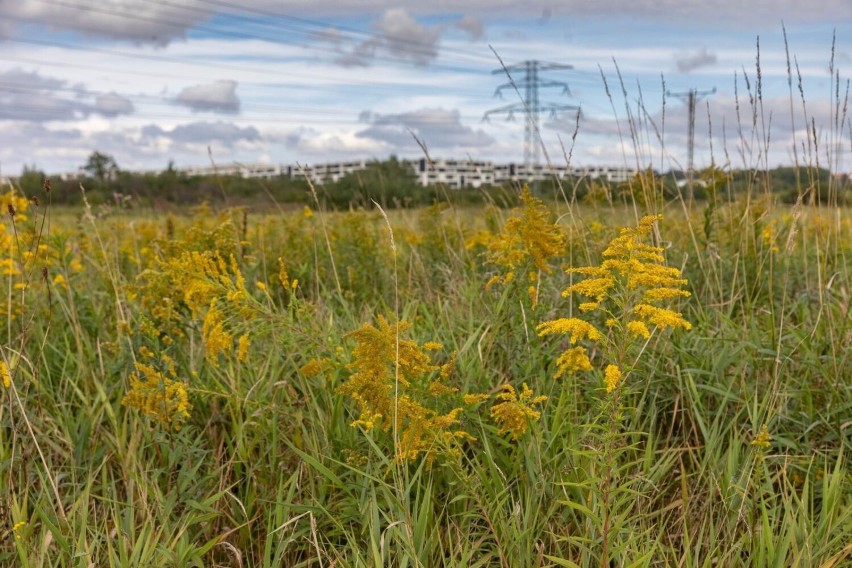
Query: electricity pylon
[531,106]
[691,97]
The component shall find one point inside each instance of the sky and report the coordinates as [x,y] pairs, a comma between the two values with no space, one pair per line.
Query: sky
[304,81]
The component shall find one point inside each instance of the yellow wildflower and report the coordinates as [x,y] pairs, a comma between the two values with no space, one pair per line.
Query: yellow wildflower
[763,438]
[5,375]
[638,329]
[389,382]
[157,397]
[472,399]
[513,412]
[312,368]
[17,529]
[216,339]
[661,317]
[59,280]
[612,376]
[242,347]
[572,361]
[527,237]
[578,329]
[260,286]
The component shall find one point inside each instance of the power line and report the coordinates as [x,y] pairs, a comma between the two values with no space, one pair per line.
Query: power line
[531,106]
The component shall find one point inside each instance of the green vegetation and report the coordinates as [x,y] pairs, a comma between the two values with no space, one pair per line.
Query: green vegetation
[213,387]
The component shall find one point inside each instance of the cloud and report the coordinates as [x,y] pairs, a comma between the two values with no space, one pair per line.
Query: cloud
[472,25]
[437,128]
[204,133]
[161,23]
[399,35]
[687,62]
[220,97]
[30,96]
[113,104]
[140,22]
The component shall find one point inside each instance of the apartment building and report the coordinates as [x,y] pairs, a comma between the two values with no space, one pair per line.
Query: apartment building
[454,174]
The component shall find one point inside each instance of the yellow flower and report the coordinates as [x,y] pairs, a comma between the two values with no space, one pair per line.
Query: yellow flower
[638,329]
[311,369]
[390,380]
[513,412]
[216,339]
[472,399]
[578,329]
[59,280]
[763,438]
[661,317]
[260,286]
[17,528]
[243,347]
[5,375]
[612,376]
[157,397]
[571,361]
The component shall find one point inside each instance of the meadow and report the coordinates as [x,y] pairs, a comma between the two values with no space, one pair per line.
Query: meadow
[624,381]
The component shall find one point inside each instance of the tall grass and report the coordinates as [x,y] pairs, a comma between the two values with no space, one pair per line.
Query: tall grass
[268,469]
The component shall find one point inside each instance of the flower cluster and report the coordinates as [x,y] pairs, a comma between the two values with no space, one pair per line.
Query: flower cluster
[528,239]
[512,412]
[391,379]
[627,287]
[161,398]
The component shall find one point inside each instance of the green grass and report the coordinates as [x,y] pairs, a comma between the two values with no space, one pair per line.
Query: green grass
[267,471]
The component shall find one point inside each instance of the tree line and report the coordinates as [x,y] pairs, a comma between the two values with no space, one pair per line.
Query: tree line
[392,184]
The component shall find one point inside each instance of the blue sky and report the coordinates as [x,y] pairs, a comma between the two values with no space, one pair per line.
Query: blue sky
[286,81]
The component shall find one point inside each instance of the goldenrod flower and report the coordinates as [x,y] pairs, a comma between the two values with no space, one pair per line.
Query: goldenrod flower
[5,375]
[216,338]
[612,377]
[661,317]
[572,361]
[472,399]
[638,329]
[527,237]
[157,397]
[578,329]
[763,438]
[513,412]
[311,369]
[630,280]
[242,347]
[389,382]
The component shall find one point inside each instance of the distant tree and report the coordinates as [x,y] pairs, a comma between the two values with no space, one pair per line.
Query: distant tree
[31,180]
[101,167]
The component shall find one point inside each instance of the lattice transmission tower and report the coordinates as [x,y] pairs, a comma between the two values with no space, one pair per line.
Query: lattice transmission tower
[691,98]
[531,106]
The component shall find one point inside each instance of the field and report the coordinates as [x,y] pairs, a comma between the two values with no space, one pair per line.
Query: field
[625,381]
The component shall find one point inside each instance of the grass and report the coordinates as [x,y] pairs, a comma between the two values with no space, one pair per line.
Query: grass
[266,469]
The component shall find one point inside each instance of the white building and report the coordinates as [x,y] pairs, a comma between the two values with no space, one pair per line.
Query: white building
[455,174]
[236,169]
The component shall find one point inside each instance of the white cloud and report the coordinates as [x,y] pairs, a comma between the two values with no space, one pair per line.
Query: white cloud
[113,104]
[689,61]
[204,133]
[140,22]
[220,97]
[437,128]
[398,34]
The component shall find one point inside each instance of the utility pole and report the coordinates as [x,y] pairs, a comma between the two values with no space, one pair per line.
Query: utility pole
[531,106]
[691,97]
